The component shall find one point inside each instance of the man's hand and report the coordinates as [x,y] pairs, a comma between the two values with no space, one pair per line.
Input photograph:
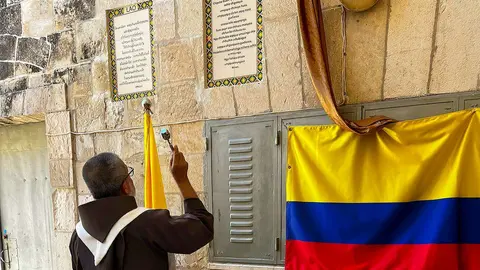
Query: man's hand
[178,166]
[179,169]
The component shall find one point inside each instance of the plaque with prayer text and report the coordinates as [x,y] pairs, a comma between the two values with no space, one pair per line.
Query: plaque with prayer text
[131,51]
[233,42]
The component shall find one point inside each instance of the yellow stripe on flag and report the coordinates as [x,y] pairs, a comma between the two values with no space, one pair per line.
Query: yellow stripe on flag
[425,159]
[154,191]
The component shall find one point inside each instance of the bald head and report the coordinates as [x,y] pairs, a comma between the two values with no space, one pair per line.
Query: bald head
[104,175]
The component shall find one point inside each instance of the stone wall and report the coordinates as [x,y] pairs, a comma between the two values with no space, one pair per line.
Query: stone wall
[53,68]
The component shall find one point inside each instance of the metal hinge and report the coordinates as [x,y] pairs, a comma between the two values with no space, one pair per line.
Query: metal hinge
[277,244]
[277,138]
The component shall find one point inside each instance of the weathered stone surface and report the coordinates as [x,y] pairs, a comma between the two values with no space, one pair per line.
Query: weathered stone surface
[81,81]
[456,62]
[310,98]
[25,69]
[164,20]
[84,148]
[90,113]
[195,171]
[60,250]
[13,85]
[35,100]
[252,98]
[56,98]
[134,113]
[333,32]
[82,188]
[330,3]
[197,260]
[84,199]
[11,20]
[176,62]
[39,80]
[3,3]
[58,122]
[11,104]
[174,204]
[100,78]
[7,47]
[273,9]
[64,210]
[218,102]
[63,50]
[190,19]
[59,147]
[6,70]
[90,39]
[37,18]
[366,33]
[284,74]
[67,12]
[189,137]
[132,143]
[61,174]
[409,47]
[33,51]
[108,142]
[198,59]
[13,2]
[177,102]
[114,114]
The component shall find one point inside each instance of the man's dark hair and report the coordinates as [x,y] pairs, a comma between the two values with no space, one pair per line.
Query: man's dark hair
[104,175]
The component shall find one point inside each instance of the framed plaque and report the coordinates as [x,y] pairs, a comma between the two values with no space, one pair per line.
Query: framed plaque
[131,52]
[233,42]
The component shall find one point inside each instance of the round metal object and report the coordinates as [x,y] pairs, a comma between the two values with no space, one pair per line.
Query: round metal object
[358,5]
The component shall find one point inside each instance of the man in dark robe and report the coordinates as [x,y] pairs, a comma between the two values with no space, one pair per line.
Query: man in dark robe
[115,234]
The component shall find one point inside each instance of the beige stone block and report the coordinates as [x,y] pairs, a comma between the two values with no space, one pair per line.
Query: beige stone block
[114,114]
[176,62]
[90,38]
[456,62]
[108,142]
[84,148]
[190,18]
[283,61]
[132,143]
[333,32]
[218,103]
[82,188]
[56,98]
[35,100]
[197,260]
[189,137]
[61,174]
[12,104]
[62,51]
[177,102]
[199,61]
[273,9]
[134,112]
[410,31]
[366,33]
[330,3]
[64,210]
[37,18]
[58,122]
[164,17]
[174,204]
[195,171]
[100,77]
[84,199]
[59,147]
[60,250]
[252,98]
[81,77]
[310,95]
[90,113]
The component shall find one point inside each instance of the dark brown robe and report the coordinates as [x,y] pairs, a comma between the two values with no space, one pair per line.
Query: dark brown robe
[144,243]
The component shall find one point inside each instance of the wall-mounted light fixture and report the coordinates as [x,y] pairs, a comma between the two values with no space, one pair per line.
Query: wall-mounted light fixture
[358,5]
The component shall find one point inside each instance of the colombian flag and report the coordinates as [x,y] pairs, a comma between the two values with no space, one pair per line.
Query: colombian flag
[154,191]
[407,197]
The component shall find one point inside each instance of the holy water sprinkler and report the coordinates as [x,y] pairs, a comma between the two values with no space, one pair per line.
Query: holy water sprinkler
[166,137]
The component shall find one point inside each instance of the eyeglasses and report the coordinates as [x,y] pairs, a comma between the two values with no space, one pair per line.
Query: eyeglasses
[131,171]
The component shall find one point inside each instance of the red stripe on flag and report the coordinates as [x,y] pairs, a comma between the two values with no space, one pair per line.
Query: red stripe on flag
[311,256]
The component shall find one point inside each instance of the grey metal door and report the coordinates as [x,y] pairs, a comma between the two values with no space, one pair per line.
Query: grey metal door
[25,197]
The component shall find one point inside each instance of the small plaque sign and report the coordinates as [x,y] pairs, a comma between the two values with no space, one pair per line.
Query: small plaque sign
[234,42]
[131,51]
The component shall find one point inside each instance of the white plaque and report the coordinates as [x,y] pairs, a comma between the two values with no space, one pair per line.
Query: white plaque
[234,42]
[131,57]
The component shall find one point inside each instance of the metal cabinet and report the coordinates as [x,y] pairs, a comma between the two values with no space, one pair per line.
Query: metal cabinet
[242,160]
